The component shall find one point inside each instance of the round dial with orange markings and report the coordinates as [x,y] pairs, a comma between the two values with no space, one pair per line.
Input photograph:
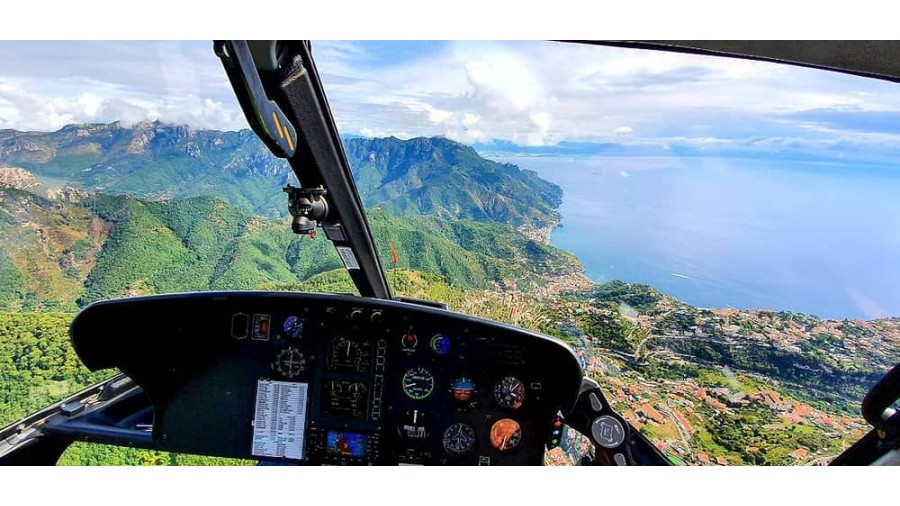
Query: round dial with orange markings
[506,435]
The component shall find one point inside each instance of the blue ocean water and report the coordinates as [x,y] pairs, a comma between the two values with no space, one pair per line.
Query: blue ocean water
[816,238]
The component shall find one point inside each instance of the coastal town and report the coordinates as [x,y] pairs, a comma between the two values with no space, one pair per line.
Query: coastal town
[710,386]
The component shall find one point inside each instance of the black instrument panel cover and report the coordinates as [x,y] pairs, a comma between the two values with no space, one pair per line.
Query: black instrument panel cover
[201,381]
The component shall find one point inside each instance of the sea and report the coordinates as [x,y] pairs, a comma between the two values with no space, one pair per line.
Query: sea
[819,238]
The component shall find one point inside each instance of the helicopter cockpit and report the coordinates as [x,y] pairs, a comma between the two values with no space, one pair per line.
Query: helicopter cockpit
[323,379]
[332,379]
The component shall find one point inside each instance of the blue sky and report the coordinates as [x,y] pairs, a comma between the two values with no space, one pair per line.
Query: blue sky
[534,97]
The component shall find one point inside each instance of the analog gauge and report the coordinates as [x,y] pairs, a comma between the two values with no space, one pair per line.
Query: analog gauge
[414,425]
[289,363]
[293,327]
[506,435]
[418,383]
[409,341]
[462,389]
[440,344]
[459,439]
[347,355]
[509,392]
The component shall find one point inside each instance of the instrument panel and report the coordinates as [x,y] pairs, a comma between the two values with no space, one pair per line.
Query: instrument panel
[332,379]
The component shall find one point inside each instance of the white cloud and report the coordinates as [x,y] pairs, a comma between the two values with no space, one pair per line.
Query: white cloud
[26,107]
[89,103]
[46,85]
[433,114]
[368,132]
[545,93]
[528,93]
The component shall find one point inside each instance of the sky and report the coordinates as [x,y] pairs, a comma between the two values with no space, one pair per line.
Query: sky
[524,97]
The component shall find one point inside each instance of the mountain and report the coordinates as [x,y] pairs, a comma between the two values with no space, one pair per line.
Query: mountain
[152,161]
[436,176]
[155,161]
[73,248]
[469,253]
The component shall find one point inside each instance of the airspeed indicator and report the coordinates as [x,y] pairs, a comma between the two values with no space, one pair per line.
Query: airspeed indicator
[418,383]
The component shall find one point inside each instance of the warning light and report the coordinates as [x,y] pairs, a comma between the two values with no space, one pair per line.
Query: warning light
[261,327]
[409,341]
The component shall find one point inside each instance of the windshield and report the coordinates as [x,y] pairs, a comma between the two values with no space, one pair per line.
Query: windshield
[715,238]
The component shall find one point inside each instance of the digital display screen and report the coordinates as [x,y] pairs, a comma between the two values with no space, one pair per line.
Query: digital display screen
[351,444]
[346,399]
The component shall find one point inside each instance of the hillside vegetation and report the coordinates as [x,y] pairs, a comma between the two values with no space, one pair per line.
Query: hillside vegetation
[62,253]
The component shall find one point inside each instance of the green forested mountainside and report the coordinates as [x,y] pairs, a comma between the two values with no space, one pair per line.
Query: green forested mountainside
[47,250]
[152,161]
[440,177]
[37,364]
[196,244]
[77,248]
[155,161]
[468,253]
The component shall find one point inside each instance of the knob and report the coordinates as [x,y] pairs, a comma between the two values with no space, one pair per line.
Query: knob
[376,317]
[356,315]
